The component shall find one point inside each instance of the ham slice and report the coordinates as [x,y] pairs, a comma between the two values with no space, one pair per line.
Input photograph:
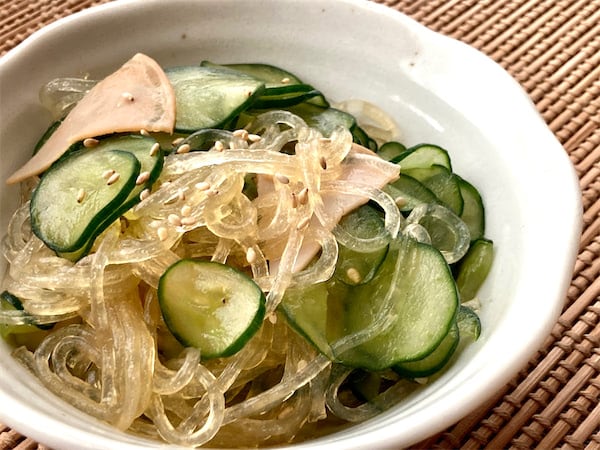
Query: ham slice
[138,96]
[338,205]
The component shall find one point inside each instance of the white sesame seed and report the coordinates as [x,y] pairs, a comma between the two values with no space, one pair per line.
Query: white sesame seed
[251,255]
[90,142]
[108,173]
[212,192]
[174,219]
[353,275]
[128,96]
[254,137]
[303,223]
[285,80]
[144,132]
[400,202]
[186,210]
[162,233]
[188,220]
[181,195]
[80,195]
[154,149]
[302,364]
[177,142]
[219,146]
[144,194]
[142,178]
[303,196]
[241,133]
[113,178]
[323,163]
[272,318]
[203,186]
[282,178]
[294,200]
[183,148]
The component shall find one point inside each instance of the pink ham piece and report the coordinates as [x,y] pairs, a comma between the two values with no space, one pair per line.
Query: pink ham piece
[138,96]
[338,205]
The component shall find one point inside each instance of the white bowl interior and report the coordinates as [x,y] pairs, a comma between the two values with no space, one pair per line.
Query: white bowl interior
[439,90]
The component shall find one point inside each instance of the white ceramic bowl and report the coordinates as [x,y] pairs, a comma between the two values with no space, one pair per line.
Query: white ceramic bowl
[438,89]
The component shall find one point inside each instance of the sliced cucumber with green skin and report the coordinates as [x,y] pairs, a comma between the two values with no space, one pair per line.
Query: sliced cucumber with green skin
[422,156]
[442,182]
[326,120]
[424,301]
[285,96]
[359,267]
[273,77]
[473,213]
[469,324]
[433,362]
[10,302]
[391,150]
[207,97]
[474,268]
[411,191]
[75,196]
[210,306]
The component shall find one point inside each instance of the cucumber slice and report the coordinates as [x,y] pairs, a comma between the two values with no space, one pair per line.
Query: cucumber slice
[424,301]
[10,302]
[474,268]
[208,97]
[442,182]
[354,266]
[210,306]
[73,197]
[412,191]
[422,156]
[326,120]
[273,77]
[469,324]
[433,362]
[391,150]
[285,96]
[473,213]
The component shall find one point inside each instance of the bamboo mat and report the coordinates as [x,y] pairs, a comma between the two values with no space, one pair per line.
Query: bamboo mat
[551,47]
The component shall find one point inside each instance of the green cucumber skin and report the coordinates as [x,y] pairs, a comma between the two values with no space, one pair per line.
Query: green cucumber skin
[174,305]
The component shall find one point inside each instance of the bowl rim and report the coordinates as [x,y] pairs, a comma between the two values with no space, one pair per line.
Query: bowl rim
[568,247]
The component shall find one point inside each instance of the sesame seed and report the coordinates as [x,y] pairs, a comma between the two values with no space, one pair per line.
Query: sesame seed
[80,195]
[400,202]
[294,200]
[203,186]
[144,194]
[285,80]
[181,195]
[323,163]
[108,173]
[303,223]
[90,142]
[219,146]
[212,192]
[174,219]
[154,149]
[254,137]
[144,132]
[178,141]
[142,178]
[353,275]
[186,210]
[241,133]
[272,318]
[113,178]
[128,96]
[282,178]
[183,148]
[251,255]
[303,196]
[188,220]
[302,364]
[162,233]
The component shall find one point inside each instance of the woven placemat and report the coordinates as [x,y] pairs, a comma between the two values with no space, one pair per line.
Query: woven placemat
[551,47]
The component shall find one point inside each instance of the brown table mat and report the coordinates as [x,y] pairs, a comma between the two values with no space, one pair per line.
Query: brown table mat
[552,47]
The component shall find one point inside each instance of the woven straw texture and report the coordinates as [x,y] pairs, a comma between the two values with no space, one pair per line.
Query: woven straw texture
[552,48]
